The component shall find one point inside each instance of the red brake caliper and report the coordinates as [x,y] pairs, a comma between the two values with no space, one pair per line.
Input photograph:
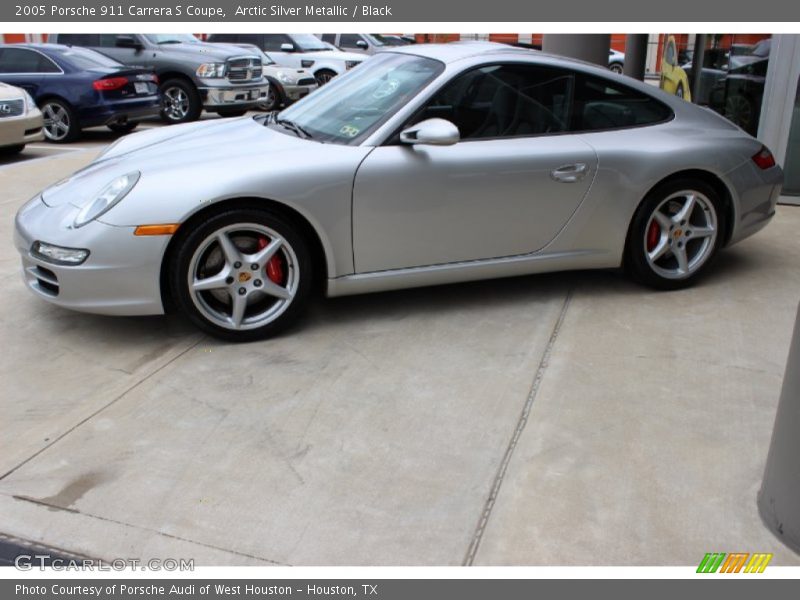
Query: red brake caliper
[275,264]
[653,235]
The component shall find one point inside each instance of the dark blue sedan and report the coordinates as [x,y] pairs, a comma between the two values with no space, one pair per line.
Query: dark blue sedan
[77,88]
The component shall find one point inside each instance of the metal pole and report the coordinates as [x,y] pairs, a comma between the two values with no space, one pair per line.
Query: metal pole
[589,47]
[635,55]
[779,498]
[697,65]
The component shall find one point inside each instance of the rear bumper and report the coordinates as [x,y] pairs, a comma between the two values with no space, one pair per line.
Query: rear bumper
[124,110]
[757,192]
[21,130]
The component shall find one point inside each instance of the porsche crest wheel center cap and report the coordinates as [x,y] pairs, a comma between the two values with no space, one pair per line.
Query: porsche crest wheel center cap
[244,277]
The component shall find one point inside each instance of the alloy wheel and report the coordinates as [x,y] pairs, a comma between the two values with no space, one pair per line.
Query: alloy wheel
[681,234]
[243,276]
[57,121]
[175,103]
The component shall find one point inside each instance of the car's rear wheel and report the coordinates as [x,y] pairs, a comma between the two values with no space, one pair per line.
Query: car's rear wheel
[180,102]
[616,67]
[243,275]
[674,234]
[60,123]
[272,101]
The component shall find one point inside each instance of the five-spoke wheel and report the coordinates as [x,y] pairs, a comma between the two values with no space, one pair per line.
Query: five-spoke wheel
[674,233]
[60,123]
[242,275]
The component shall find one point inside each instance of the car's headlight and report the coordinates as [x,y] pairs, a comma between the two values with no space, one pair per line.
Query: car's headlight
[108,197]
[284,78]
[30,104]
[211,70]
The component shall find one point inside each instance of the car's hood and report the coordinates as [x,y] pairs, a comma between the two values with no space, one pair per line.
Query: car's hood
[201,50]
[199,146]
[9,92]
[334,55]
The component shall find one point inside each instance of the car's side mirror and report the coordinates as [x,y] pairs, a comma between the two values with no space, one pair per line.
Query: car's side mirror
[362,44]
[433,132]
[128,41]
[287,47]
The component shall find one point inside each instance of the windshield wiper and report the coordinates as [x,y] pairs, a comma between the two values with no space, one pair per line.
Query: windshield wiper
[169,42]
[292,126]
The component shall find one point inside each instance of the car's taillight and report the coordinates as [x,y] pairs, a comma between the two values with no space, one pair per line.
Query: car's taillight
[764,159]
[112,83]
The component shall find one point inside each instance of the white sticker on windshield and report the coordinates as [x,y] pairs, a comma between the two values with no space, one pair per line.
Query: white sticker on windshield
[349,131]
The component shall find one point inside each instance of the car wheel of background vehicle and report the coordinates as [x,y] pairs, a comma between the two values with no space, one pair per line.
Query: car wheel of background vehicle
[238,112]
[674,234]
[739,111]
[273,101]
[60,123]
[243,275]
[180,102]
[616,67]
[125,127]
[11,150]
[679,91]
[323,76]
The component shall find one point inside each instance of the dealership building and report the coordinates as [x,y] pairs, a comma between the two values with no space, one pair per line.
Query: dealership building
[764,85]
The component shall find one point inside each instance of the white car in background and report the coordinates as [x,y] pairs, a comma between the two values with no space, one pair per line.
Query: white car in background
[616,60]
[21,121]
[298,51]
[363,43]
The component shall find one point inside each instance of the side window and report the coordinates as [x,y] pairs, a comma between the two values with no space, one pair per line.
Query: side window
[78,39]
[349,40]
[273,41]
[505,101]
[227,38]
[107,40]
[601,104]
[20,60]
[329,37]
[249,38]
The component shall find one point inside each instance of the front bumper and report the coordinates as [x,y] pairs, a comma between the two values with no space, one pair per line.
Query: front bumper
[293,93]
[21,130]
[225,95]
[121,275]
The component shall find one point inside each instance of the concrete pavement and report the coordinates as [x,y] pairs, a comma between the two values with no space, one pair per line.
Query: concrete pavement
[560,419]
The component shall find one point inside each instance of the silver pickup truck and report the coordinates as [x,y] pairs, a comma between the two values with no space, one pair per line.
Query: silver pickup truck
[193,75]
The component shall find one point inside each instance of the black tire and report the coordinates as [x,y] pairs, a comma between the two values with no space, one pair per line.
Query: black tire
[55,107]
[636,251]
[323,76]
[616,67]
[189,109]
[274,100]
[295,251]
[11,150]
[232,112]
[122,128]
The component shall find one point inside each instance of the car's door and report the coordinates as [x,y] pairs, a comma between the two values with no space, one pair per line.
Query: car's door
[274,43]
[506,189]
[118,47]
[25,68]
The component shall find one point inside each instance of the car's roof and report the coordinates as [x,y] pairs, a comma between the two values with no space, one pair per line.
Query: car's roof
[40,46]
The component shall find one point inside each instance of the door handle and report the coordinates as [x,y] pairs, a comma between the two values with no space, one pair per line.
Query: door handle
[569,173]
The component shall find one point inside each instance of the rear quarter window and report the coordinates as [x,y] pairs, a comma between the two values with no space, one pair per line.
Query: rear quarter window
[600,104]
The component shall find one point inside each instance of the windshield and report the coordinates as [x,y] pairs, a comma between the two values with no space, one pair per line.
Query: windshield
[83,58]
[353,105]
[171,38]
[309,42]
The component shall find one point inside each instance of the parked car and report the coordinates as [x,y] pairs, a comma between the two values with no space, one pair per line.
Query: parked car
[427,165]
[20,120]
[286,85]
[616,60]
[363,43]
[298,51]
[76,88]
[193,75]
[673,77]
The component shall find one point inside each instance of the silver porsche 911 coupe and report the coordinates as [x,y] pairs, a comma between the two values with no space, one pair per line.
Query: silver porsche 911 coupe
[425,165]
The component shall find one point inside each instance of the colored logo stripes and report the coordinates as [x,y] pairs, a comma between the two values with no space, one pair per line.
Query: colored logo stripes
[736,562]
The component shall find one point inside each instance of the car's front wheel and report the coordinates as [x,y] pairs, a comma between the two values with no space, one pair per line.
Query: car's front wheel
[60,122]
[616,67]
[243,275]
[180,102]
[323,76]
[674,234]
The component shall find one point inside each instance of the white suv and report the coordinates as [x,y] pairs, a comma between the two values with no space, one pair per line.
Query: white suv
[298,51]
